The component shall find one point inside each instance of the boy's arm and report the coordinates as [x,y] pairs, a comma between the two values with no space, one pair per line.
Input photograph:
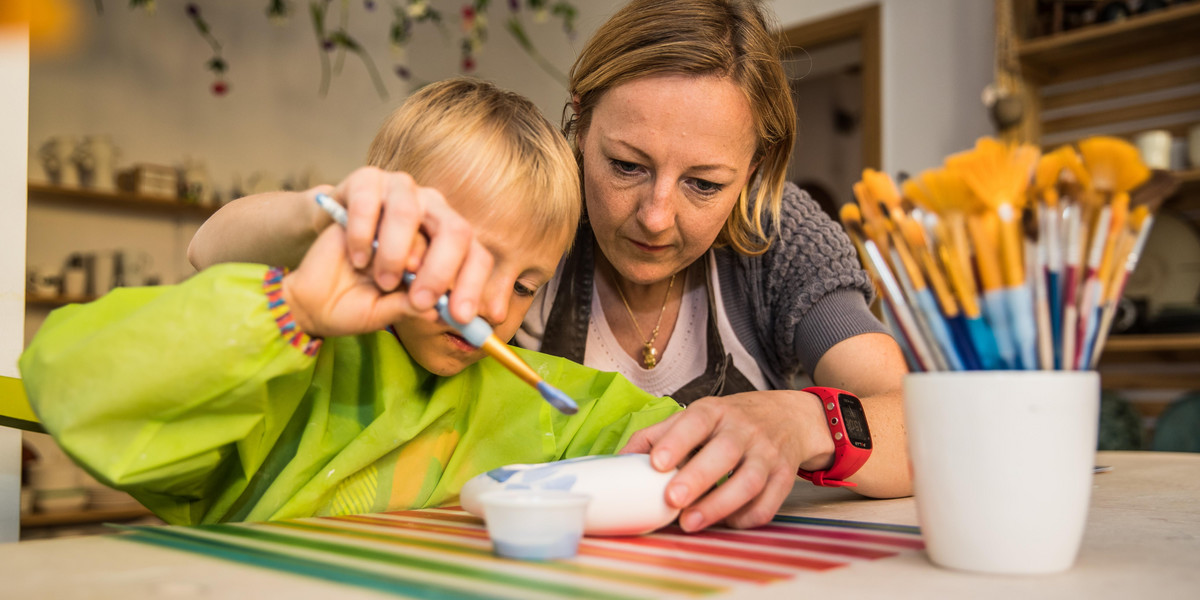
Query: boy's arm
[273,228]
[416,231]
[162,391]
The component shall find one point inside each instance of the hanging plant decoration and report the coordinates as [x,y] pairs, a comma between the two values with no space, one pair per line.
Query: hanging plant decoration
[335,41]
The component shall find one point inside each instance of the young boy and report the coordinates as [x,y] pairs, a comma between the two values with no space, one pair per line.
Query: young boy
[217,400]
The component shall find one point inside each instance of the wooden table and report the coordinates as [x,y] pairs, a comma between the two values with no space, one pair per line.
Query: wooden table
[1142,540]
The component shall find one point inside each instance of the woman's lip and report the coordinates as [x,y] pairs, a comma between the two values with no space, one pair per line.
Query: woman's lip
[648,247]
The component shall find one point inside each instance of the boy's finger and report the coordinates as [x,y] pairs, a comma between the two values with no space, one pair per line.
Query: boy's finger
[361,195]
[450,238]
[402,209]
[476,269]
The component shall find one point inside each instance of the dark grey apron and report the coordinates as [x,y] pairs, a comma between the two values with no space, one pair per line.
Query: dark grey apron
[567,327]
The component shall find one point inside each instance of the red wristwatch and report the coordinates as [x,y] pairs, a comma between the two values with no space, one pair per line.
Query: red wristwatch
[851,439]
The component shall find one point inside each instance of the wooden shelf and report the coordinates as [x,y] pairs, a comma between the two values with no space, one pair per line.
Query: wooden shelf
[1162,342]
[32,300]
[1140,40]
[116,200]
[77,517]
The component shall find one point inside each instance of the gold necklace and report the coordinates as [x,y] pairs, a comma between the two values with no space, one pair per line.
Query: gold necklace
[649,353]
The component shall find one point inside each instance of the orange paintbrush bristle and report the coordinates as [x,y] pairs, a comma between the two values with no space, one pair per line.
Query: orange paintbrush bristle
[1113,164]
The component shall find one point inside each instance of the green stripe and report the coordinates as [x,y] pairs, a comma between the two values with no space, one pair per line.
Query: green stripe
[569,567]
[909,529]
[435,566]
[391,584]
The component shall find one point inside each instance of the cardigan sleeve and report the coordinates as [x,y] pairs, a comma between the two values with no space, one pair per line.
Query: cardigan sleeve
[808,291]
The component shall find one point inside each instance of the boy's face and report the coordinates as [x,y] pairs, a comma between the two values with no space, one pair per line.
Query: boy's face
[523,264]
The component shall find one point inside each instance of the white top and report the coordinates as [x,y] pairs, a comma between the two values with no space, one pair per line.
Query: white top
[685,355]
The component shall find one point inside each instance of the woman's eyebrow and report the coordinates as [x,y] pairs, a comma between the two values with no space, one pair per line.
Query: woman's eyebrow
[641,155]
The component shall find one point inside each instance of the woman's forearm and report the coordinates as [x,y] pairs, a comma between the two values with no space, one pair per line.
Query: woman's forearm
[274,228]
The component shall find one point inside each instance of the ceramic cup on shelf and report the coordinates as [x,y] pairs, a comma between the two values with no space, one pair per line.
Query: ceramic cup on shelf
[57,163]
[1002,466]
[1154,146]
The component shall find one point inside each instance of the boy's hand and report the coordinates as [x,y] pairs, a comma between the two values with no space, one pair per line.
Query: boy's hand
[391,208]
[329,297]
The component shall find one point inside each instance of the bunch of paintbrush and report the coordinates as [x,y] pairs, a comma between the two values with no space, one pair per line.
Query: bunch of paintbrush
[1005,258]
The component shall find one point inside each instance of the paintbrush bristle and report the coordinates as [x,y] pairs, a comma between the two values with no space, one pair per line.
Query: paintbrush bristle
[882,188]
[1113,163]
[997,172]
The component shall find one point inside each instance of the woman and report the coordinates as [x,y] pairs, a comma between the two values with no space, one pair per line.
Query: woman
[697,273]
[700,273]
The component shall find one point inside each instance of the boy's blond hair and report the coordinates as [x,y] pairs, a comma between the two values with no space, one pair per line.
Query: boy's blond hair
[468,133]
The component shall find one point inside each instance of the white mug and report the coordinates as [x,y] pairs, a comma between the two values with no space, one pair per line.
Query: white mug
[1002,466]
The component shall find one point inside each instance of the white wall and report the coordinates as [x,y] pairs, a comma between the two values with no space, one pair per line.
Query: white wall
[937,58]
[14,104]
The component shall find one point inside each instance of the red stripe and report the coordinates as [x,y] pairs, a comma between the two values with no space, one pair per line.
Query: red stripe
[800,562]
[586,548]
[762,540]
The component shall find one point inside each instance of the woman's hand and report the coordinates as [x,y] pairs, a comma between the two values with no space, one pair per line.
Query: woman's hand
[759,439]
[417,231]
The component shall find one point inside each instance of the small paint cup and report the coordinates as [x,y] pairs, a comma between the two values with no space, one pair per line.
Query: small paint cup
[535,524]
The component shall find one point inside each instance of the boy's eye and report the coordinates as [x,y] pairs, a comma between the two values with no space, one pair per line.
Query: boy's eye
[523,290]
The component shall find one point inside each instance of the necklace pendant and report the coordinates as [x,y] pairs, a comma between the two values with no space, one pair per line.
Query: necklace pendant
[649,356]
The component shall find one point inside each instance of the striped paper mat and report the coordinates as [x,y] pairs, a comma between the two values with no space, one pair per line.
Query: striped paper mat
[445,553]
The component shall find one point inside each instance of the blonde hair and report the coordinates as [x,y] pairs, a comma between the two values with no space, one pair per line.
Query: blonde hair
[726,38]
[467,133]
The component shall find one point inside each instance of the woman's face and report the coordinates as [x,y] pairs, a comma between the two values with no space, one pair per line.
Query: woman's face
[664,160]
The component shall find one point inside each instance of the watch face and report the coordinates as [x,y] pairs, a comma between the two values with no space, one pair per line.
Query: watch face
[855,421]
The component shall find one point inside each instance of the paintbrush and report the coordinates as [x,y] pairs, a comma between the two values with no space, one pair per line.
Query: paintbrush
[874,260]
[1145,201]
[882,190]
[476,332]
[946,195]
[998,174]
[1115,167]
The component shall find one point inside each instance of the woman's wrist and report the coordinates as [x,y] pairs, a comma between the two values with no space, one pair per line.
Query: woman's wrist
[818,443]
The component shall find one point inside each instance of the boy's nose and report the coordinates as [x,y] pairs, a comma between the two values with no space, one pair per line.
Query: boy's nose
[493,306]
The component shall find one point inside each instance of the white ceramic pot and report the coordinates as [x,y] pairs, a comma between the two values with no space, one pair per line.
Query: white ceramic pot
[628,496]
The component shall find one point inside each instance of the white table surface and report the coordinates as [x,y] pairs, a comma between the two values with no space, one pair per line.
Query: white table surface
[1142,541]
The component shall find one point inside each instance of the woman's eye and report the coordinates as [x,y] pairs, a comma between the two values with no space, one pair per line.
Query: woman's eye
[627,168]
[707,187]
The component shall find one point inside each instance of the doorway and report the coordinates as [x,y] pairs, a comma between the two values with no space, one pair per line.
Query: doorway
[834,66]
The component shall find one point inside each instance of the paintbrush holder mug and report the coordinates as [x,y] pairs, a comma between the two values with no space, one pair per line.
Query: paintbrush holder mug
[1002,466]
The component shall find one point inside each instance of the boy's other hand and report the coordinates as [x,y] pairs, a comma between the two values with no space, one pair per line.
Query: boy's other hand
[329,297]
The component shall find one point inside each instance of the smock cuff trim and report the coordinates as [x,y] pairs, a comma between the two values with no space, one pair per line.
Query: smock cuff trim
[282,313]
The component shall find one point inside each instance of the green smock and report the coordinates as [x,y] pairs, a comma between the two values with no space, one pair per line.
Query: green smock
[189,398]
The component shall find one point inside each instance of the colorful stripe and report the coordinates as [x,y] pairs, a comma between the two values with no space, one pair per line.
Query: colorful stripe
[445,553]
[282,313]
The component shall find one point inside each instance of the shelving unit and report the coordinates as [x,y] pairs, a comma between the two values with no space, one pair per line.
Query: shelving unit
[81,197]
[86,516]
[1120,78]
